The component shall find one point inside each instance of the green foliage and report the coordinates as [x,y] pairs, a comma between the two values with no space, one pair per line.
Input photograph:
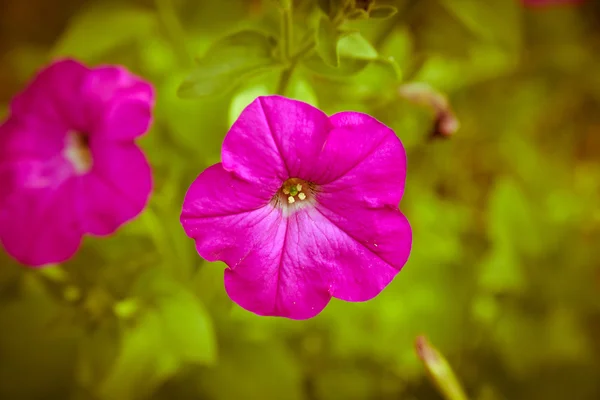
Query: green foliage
[278,376]
[128,25]
[327,42]
[354,53]
[503,276]
[382,12]
[167,329]
[229,62]
[333,8]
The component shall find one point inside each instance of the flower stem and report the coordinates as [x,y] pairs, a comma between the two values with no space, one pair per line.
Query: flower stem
[305,49]
[439,371]
[287,32]
[284,79]
[174,30]
[287,37]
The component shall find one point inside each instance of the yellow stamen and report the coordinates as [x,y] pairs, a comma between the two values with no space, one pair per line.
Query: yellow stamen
[301,196]
[291,199]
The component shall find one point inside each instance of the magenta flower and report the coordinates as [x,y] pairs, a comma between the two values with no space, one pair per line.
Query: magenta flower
[304,207]
[68,161]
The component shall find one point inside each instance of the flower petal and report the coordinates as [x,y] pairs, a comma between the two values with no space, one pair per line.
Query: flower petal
[370,245]
[38,226]
[315,254]
[275,138]
[116,189]
[54,97]
[290,273]
[235,222]
[362,161]
[217,210]
[120,102]
[20,140]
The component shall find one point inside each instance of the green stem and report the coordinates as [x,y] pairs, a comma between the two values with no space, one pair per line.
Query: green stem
[174,30]
[304,50]
[287,37]
[287,32]
[439,371]
[284,79]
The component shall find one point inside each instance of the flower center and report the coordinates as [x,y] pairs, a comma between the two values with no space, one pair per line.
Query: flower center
[77,151]
[296,191]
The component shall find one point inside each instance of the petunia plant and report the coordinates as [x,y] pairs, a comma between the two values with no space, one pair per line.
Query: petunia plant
[319,41]
[293,175]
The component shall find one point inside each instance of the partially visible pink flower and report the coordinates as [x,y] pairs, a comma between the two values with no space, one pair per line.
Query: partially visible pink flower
[69,165]
[303,207]
[544,3]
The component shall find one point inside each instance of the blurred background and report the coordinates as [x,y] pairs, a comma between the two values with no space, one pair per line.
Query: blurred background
[504,277]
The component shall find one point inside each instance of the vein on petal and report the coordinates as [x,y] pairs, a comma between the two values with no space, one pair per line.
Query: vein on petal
[188,214]
[109,182]
[352,237]
[271,131]
[279,266]
[360,161]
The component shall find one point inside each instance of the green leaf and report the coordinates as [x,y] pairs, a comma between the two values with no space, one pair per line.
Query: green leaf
[501,272]
[327,42]
[358,15]
[229,62]
[182,117]
[172,330]
[270,370]
[107,27]
[299,89]
[142,363]
[513,221]
[382,12]
[325,6]
[188,328]
[185,323]
[332,8]
[285,4]
[354,45]
[348,67]
[355,53]
[242,99]
[98,350]
[497,21]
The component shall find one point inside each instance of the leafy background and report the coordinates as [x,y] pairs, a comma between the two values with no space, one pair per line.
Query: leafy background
[504,277]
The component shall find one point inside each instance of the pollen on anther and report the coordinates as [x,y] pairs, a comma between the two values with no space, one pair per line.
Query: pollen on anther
[299,187]
[286,191]
[291,199]
[301,196]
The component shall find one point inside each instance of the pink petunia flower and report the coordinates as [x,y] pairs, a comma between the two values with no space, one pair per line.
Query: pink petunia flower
[546,3]
[69,165]
[303,207]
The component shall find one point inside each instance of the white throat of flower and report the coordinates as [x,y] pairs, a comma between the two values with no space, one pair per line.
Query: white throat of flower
[77,152]
[294,194]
